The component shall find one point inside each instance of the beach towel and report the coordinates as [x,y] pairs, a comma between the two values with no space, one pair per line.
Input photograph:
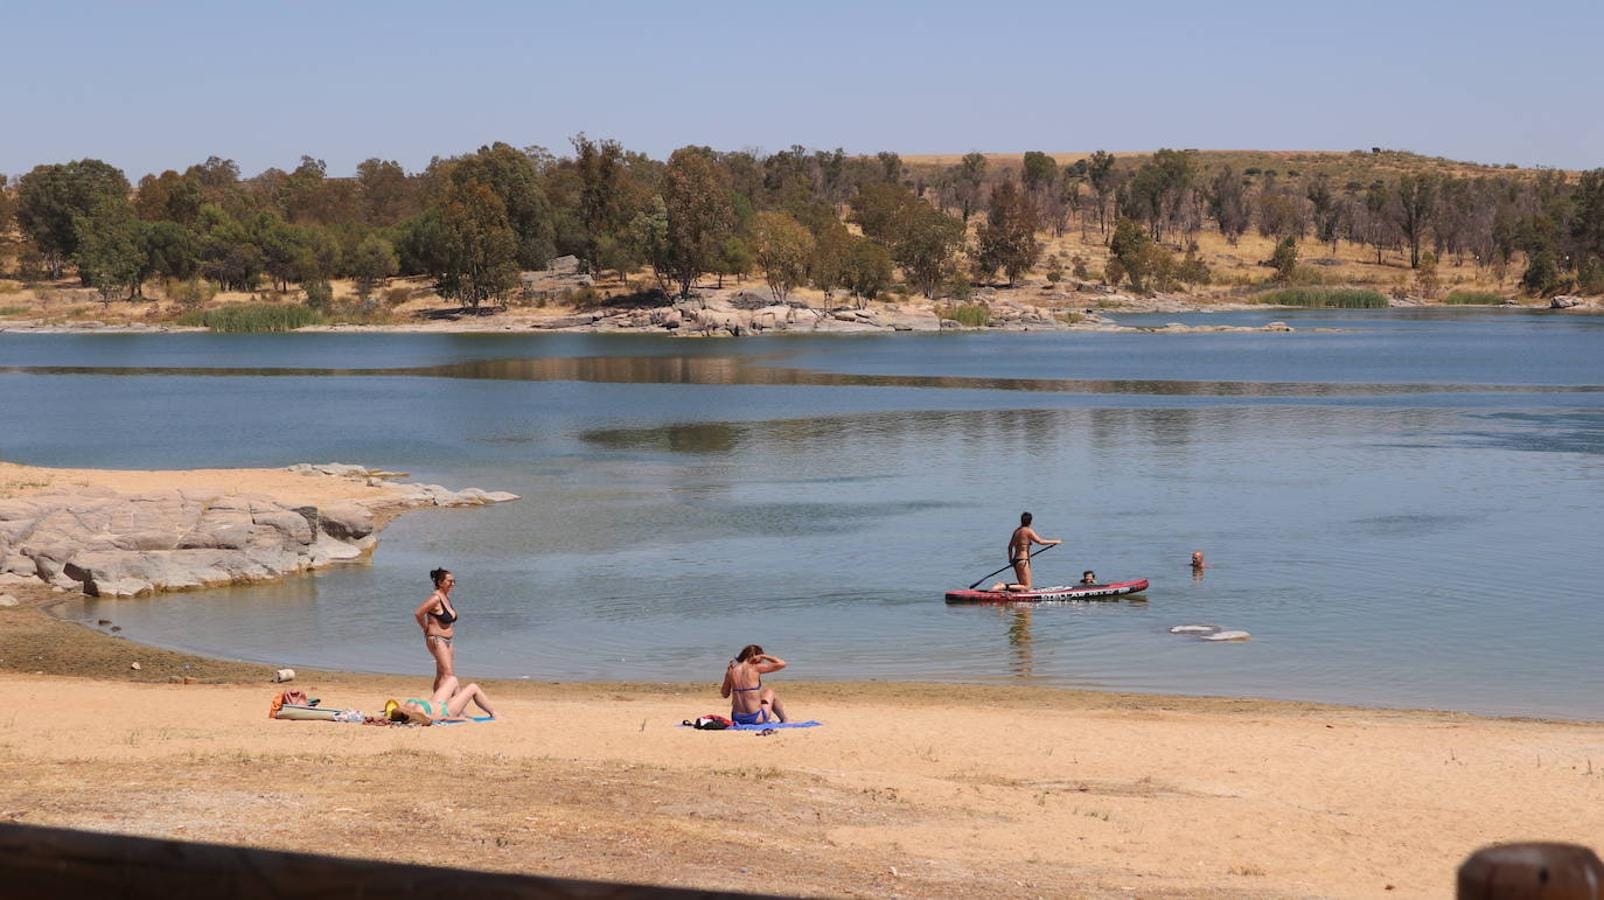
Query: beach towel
[302,713]
[466,721]
[762,726]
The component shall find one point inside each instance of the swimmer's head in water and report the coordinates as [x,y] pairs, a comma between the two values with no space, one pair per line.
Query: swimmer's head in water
[747,652]
[1024,518]
[1197,559]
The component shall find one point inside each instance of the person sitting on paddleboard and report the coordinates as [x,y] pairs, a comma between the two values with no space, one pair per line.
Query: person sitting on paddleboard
[750,702]
[1019,545]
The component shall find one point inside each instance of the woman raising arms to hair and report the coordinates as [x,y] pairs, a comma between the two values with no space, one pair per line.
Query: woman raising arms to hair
[750,702]
[437,617]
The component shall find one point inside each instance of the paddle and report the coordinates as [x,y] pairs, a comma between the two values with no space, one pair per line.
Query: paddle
[1009,566]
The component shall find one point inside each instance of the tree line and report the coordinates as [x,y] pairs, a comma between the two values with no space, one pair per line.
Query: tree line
[473,222]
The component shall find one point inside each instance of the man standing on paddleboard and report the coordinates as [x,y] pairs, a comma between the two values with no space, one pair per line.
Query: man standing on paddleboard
[1019,545]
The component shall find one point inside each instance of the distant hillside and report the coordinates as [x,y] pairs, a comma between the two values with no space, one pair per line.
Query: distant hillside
[1210,225]
[1352,165]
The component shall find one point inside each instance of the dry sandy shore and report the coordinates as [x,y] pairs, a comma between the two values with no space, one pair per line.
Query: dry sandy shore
[908,790]
[280,485]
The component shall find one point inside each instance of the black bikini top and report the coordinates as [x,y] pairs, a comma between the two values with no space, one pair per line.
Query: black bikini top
[445,616]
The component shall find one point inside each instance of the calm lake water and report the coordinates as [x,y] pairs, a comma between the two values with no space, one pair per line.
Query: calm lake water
[1405,512]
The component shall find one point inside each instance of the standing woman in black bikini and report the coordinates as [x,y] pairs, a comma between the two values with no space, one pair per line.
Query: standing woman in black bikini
[437,617]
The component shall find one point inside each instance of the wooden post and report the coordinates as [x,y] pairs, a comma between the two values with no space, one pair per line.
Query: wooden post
[1532,871]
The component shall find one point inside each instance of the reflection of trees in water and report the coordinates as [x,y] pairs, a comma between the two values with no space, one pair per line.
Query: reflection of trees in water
[726,370]
[601,369]
[739,370]
[694,437]
[977,440]
[979,434]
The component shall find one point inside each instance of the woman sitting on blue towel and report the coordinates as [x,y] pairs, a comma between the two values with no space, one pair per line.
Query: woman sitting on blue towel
[750,702]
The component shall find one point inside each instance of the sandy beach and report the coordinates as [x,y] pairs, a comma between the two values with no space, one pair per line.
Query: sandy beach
[906,790]
[281,485]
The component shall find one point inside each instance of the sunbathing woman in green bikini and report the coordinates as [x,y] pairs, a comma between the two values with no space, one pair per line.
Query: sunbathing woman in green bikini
[750,702]
[450,701]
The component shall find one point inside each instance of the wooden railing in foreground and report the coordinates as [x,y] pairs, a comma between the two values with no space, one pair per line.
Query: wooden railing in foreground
[57,862]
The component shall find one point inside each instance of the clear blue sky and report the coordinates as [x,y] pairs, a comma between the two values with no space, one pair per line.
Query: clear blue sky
[148,86]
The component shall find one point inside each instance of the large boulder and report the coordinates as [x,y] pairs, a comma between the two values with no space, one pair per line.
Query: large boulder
[563,265]
[293,524]
[346,521]
[17,564]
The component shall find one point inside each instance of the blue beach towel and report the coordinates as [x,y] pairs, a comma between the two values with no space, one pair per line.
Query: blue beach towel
[467,721]
[761,726]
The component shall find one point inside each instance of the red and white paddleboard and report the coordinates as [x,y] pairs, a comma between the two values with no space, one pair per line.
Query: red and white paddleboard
[1059,592]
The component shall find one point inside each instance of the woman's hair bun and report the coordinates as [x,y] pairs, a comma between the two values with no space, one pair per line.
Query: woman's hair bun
[436,574]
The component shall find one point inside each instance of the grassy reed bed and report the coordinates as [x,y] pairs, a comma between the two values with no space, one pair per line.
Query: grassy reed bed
[253,317]
[1324,298]
[974,315]
[1473,298]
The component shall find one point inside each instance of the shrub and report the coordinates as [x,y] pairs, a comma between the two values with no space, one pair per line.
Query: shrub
[1542,273]
[12,310]
[958,288]
[1473,298]
[319,294]
[1192,270]
[1113,272]
[1590,276]
[1070,318]
[253,317]
[974,315]
[1324,298]
[190,293]
[1306,275]
[1426,280]
[582,297]
[1077,267]
[1054,276]
[1285,259]
[397,295]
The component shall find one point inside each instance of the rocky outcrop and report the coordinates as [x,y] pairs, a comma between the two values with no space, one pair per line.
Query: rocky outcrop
[747,313]
[110,544]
